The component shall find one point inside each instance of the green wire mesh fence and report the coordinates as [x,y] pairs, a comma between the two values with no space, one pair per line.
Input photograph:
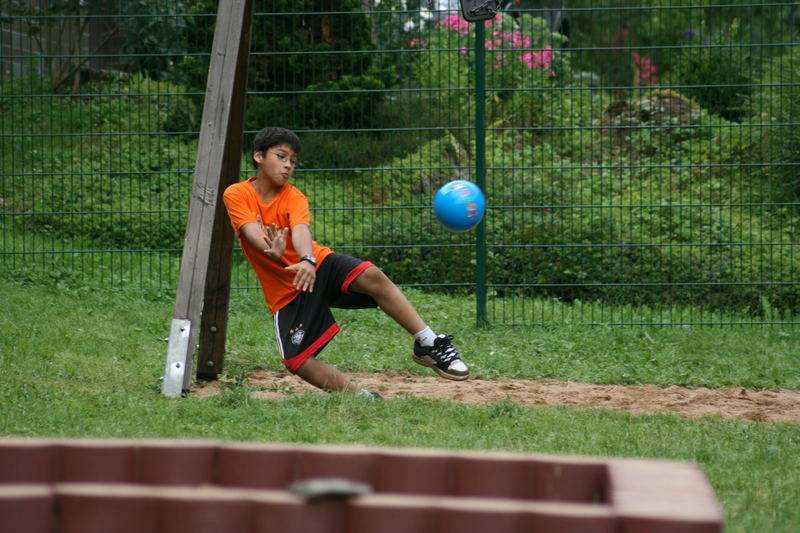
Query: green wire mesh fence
[640,162]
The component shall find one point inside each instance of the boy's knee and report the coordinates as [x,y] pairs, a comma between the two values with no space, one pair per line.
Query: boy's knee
[371,279]
[374,273]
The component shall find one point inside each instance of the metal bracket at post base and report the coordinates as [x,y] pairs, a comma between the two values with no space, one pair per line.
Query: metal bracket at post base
[179,358]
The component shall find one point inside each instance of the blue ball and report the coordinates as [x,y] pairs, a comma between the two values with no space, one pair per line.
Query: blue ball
[459,205]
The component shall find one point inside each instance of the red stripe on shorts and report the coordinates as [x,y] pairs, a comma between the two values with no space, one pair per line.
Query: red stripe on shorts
[351,277]
[294,364]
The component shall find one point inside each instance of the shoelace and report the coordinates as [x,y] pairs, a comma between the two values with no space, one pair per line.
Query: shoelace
[446,351]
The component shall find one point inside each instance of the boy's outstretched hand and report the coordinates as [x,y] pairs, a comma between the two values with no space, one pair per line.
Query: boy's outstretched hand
[275,239]
[304,276]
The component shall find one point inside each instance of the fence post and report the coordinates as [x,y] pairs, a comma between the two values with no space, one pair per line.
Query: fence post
[204,285]
[480,171]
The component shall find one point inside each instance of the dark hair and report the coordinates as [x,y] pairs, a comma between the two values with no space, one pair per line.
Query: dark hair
[269,137]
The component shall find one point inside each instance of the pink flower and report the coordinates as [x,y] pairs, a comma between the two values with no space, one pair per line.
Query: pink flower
[417,43]
[517,40]
[491,44]
[455,23]
[645,71]
[508,40]
[534,60]
[547,56]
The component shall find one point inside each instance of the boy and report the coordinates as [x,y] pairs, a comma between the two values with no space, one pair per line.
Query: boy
[302,280]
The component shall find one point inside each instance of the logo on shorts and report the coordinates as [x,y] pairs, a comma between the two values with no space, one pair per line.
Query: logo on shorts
[297,334]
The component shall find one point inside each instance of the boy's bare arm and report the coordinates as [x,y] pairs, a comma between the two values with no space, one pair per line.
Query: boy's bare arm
[301,239]
[305,273]
[271,241]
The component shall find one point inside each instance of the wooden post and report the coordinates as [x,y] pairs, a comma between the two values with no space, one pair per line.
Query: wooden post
[201,304]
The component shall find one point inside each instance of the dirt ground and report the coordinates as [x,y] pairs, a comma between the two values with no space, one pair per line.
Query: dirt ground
[734,402]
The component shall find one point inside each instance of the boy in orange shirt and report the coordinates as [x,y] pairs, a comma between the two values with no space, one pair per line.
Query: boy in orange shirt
[302,280]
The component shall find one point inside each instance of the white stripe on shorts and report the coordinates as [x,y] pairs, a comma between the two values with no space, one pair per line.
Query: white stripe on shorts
[278,333]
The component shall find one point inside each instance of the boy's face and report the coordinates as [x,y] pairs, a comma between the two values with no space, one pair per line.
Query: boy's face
[276,164]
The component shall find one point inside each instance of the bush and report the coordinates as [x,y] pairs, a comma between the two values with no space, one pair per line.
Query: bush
[416,250]
[604,34]
[16,94]
[656,121]
[778,102]
[715,74]
[127,188]
[631,234]
[520,53]
[305,75]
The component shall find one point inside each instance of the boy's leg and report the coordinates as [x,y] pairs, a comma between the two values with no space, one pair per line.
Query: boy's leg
[302,329]
[326,377]
[389,298]
[440,355]
[330,379]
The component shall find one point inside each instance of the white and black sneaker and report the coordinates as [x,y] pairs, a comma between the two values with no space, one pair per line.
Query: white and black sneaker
[442,357]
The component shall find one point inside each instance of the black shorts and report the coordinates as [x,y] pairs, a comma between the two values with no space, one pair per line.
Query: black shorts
[306,325]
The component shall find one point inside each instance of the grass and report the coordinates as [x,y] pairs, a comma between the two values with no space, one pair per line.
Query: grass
[84,362]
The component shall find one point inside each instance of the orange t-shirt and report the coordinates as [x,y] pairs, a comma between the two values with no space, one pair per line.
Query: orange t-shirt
[286,210]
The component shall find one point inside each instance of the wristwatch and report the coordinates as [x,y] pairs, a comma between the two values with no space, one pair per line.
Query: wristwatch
[310,258]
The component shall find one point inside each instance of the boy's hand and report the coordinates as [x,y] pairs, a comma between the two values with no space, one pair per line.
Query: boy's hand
[305,276]
[275,239]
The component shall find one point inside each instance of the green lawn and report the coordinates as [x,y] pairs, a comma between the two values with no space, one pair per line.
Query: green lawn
[86,363]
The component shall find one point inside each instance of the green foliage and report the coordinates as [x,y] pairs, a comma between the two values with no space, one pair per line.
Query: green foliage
[716,72]
[17,96]
[191,70]
[605,34]
[418,254]
[594,194]
[658,123]
[348,80]
[55,29]
[303,78]
[345,103]
[126,188]
[155,39]
[777,103]
[648,241]
[60,29]
[520,53]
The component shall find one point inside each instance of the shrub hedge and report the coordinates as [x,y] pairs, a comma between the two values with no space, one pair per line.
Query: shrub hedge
[683,222]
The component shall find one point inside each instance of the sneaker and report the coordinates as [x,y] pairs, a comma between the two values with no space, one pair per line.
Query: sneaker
[442,357]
